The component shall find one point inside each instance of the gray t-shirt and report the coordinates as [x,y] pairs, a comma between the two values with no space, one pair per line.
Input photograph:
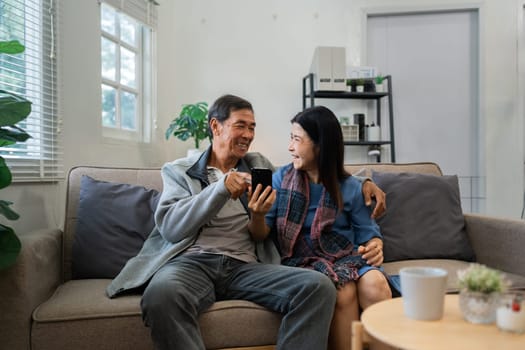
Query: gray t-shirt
[227,233]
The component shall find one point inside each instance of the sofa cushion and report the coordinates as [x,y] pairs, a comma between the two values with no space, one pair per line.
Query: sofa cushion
[80,312]
[424,217]
[114,219]
[452,267]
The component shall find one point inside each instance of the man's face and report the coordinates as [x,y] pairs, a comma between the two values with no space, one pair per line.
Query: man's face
[236,133]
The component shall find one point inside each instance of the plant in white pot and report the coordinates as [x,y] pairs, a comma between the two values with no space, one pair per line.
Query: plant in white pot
[192,122]
[379,83]
[360,85]
[480,288]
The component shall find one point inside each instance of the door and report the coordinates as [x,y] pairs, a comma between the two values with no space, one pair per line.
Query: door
[433,58]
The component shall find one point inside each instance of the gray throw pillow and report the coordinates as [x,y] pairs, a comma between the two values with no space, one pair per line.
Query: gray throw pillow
[113,222]
[424,218]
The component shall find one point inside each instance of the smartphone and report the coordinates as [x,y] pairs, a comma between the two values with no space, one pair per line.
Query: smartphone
[261,176]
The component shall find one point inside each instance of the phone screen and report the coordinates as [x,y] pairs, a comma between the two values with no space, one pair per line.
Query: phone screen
[261,176]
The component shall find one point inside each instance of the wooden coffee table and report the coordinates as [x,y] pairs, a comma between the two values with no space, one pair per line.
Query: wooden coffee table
[387,322]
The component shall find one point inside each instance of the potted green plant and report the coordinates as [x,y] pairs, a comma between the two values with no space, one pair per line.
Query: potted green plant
[480,287]
[192,122]
[378,80]
[360,85]
[13,109]
[350,84]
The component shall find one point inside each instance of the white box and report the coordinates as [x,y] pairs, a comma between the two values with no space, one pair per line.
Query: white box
[350,132]
[329,68]
[338,69]
[321,68]
[361,72]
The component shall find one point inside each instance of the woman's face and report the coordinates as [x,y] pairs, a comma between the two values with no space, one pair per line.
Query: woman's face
[302,149]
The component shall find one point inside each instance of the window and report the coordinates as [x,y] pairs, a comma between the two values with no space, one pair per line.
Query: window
[126,70]
[32,74]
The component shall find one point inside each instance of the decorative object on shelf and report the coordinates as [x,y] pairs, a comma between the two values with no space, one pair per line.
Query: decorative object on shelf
[374,151]
[373,132]
[510,315]
[369,85]
[480,288]
[350,132]
[192,122]
[13,109]
[359,120]
[328,68]
[360,85]
[350,85]
[379,83]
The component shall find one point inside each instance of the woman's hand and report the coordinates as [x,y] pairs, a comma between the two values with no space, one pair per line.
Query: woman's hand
[259,203]
[372,252]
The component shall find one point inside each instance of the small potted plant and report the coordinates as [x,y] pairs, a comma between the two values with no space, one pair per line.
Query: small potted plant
[360,85]
[350,84]
[192,122]
[480,288]
[379,83]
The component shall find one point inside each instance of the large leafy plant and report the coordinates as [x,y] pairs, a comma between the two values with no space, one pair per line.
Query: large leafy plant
[13,109]
[192,122]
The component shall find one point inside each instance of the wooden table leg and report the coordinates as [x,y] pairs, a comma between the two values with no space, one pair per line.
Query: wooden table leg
[359,336]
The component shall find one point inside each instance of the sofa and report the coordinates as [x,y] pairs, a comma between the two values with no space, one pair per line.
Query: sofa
[46,305]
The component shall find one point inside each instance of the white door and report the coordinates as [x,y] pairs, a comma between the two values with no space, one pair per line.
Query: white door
[433,59]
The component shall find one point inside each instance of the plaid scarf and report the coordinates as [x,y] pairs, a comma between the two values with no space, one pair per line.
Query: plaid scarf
[329,253]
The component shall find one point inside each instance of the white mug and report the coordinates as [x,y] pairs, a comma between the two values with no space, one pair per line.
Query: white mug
[423,291]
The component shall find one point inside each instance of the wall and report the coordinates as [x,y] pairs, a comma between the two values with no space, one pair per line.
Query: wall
[260,50]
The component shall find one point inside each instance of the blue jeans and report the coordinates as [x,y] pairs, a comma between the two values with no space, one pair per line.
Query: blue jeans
[189,284]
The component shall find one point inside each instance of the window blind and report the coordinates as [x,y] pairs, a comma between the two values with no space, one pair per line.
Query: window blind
[32,74]
[144,11]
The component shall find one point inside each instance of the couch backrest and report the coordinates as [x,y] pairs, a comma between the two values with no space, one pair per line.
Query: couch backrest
[147,177]
[422,168]
[150,178]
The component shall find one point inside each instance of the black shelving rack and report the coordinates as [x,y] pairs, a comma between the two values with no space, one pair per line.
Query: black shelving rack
[309,95]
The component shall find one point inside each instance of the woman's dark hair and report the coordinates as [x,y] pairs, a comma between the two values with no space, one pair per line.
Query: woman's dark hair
[324,129]
[224,105]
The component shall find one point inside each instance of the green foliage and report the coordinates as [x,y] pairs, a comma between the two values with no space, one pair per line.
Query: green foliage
[379,79]
[11,47]
[13,109]
[479,278]
[360,82]
[192,122]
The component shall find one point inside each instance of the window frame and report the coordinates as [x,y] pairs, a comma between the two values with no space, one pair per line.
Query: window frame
[144,76]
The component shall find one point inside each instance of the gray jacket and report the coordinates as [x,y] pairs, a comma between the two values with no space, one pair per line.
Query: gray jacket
[187,202]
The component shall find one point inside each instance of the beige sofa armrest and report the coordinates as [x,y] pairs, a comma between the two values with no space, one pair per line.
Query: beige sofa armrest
[498,242]
[26,284]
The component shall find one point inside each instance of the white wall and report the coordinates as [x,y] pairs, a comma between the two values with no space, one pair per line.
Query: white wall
[259,49]
[262,49]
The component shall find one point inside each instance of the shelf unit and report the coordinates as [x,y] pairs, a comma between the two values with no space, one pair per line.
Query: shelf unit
[310,95]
